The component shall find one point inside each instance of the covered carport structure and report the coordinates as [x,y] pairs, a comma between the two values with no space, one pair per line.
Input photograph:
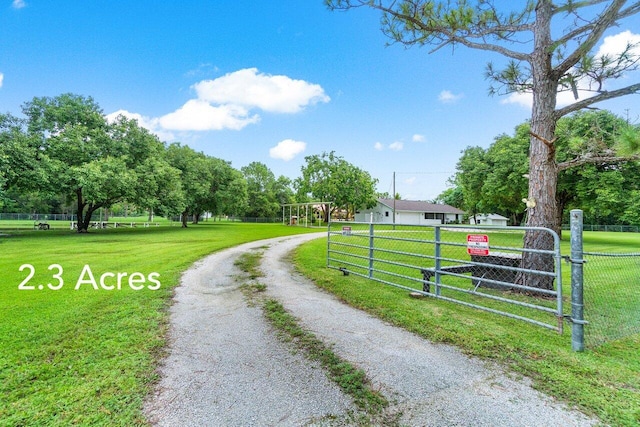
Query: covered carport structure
[298,213]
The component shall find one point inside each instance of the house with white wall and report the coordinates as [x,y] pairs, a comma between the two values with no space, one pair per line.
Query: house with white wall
[489,219]
[412,212]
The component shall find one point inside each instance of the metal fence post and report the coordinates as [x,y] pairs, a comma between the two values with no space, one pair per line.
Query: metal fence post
[438,262]
[328,243]
[577,278]
[371,251]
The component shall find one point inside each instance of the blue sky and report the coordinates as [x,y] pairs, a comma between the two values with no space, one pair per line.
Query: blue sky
[268,81]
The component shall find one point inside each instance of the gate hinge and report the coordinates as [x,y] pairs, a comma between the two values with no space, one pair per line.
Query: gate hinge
[570,319]
[568,259]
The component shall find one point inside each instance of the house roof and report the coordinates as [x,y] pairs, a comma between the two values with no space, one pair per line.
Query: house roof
[420,206]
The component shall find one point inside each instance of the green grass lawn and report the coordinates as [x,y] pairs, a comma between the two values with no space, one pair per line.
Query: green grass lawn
[85,356]
[604,381]
[88,356]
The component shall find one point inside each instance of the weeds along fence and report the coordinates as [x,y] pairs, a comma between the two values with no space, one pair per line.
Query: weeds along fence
[480,267]
[611,296]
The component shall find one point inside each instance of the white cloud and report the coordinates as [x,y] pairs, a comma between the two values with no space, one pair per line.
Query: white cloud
[1,79]
[448,97]
[249,88]
[18,4]
[410,181]
[202,70]
[523,99]
[287,149]
[418,138]
[227,102]
[199,115]
[562,99]
[615,45]
[378,146]
[396,146]
[151,124]
[143,121]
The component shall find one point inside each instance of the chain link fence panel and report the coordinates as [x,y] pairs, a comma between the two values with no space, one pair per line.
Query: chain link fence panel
[611,296]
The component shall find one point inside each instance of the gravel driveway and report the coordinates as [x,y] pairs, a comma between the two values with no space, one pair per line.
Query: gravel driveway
[225,366]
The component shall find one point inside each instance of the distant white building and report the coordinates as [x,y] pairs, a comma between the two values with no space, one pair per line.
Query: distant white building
[489,219]
[410,212]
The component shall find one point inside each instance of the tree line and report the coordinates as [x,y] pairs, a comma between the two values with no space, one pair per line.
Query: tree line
[65,149]
[598,172]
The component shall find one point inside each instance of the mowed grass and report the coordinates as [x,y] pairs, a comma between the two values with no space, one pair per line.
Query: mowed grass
[88,356]
[85,356]
[604,381]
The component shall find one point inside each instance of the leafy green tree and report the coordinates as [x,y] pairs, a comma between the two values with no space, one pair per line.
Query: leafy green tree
[158,188]
[330,178]
[495,178]
[20,162]
[195,175]
[207,182]
[631,214]
[78,153]
[506,183]
[223,179]
[599,181]
[540,61]
[95,162]
[232,199]
[452,196]
[261,191]
[473,169]
[283,189]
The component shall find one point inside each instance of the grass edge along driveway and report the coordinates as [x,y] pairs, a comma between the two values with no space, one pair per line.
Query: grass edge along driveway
[83,320]
[604,382]
[88,356]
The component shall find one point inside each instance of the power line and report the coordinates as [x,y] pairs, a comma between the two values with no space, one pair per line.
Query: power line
[425,173]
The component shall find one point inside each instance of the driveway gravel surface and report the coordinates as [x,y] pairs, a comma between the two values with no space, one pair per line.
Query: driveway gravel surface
[225,365]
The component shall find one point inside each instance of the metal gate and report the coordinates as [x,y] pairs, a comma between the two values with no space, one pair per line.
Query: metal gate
[487,268]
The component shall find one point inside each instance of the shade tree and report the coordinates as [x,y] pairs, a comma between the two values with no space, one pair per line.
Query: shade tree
[65,146]
[330,178]
[495,178]
[265,193]
[207,183]
[82,155]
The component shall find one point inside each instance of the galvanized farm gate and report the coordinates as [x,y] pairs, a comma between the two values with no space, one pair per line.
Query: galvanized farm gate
[482,267]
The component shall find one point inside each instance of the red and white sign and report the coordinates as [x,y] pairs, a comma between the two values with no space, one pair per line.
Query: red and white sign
[478,244]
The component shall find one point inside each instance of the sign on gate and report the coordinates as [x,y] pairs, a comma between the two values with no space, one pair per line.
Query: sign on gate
[346,231]
[478,244]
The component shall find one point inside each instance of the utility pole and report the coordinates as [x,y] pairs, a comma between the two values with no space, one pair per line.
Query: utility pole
[394,200]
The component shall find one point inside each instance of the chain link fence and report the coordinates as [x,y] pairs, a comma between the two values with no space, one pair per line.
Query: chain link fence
[38,221]
[611,296]
[36,217]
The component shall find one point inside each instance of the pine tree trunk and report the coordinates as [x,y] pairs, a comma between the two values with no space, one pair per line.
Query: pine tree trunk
[543,170]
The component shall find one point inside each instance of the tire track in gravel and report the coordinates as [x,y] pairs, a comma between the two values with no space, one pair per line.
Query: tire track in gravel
[225,366]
